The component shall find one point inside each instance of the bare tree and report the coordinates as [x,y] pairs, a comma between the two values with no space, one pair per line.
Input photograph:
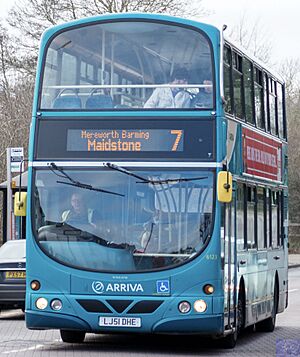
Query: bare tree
[4,66]
[253,37]
[29,18]
[15,105]
[15,102]
[290,70]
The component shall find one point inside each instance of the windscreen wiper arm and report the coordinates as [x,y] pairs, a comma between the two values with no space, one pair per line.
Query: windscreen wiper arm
[53,167]
[152,182]
[159,182]
[89,187]
[124,171]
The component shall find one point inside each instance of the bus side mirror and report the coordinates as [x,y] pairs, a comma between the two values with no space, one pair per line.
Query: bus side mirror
[224,187]
[20,203]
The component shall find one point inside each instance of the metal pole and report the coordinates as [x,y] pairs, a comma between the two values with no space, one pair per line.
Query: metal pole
[9,196]
[103,58]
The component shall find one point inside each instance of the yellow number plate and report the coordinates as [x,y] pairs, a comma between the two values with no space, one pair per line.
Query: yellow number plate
[15,275]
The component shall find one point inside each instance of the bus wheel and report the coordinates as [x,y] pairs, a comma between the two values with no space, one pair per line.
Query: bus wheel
[72,336]
[241,311]
[268,324]
[229,341]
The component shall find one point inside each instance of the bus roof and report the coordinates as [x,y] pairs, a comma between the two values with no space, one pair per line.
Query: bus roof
[134,15]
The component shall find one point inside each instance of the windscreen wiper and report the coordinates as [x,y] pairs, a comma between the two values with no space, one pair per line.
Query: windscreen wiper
[159,182]
[53,167]
[152,182]
[124,171]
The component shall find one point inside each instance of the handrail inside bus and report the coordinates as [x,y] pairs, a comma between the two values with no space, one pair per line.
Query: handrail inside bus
[105,86]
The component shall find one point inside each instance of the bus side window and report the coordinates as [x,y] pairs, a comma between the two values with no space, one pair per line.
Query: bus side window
[266,102]
[251,221]
[228,80]
[260,218]
[258,99]
[238,85]
[275,218]
[273,106]
[280,111]
[269,217]
[240,218]
[248,91]
[266,218]
[280,218]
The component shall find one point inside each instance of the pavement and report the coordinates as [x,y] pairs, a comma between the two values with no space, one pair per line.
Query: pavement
[294,260]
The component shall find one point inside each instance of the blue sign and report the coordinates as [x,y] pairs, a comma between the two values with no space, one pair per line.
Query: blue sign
[163,286]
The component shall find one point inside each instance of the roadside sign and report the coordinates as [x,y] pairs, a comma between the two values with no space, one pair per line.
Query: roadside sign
[16,158]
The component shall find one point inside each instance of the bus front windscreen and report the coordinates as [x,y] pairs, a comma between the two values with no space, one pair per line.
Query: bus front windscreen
[120,220]
[128,65]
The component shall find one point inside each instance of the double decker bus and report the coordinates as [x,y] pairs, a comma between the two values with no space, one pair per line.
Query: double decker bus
[161,218]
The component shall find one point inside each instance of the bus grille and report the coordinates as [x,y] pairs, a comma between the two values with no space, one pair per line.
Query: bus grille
[119,306]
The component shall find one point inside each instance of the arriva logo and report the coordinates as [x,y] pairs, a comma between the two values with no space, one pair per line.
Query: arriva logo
[98,287]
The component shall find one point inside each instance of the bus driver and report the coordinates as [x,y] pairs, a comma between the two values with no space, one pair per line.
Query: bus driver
[79,212]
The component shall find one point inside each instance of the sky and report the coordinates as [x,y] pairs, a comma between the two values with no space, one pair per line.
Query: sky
[4,6]
[278,19]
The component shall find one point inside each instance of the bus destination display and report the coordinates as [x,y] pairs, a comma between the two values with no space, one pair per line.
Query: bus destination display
[119,140]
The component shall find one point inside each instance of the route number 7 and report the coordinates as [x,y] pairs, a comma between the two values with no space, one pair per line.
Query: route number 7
[178,134]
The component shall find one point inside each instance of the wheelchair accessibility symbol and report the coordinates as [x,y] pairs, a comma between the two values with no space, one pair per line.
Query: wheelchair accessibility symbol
[163,286]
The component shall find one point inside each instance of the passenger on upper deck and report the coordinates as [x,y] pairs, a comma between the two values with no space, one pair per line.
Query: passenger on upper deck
[171,97]
[204,98]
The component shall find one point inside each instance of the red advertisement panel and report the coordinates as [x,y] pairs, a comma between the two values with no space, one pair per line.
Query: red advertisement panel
[261,155]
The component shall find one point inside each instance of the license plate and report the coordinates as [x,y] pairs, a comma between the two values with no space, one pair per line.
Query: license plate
[15,275]
[109,321]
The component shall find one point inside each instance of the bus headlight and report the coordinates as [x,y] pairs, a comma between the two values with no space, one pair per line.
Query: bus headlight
[200,305]
[41,303]
[56,305]
[184,307]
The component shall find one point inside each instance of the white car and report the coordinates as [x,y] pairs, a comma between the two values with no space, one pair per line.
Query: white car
[13,274]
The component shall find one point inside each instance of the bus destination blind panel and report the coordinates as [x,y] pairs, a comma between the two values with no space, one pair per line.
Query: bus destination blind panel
[134,139]
[125,140]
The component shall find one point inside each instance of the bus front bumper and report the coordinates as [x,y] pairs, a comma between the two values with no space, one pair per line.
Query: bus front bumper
[202,324]
[47,321]
[140,314]
[208,325]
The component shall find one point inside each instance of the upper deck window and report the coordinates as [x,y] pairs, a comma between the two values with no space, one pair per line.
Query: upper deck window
[129,64]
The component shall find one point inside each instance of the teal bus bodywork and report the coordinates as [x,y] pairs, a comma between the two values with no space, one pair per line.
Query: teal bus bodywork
[137,286]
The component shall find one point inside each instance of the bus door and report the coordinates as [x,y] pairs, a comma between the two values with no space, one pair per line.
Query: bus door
[230,263]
